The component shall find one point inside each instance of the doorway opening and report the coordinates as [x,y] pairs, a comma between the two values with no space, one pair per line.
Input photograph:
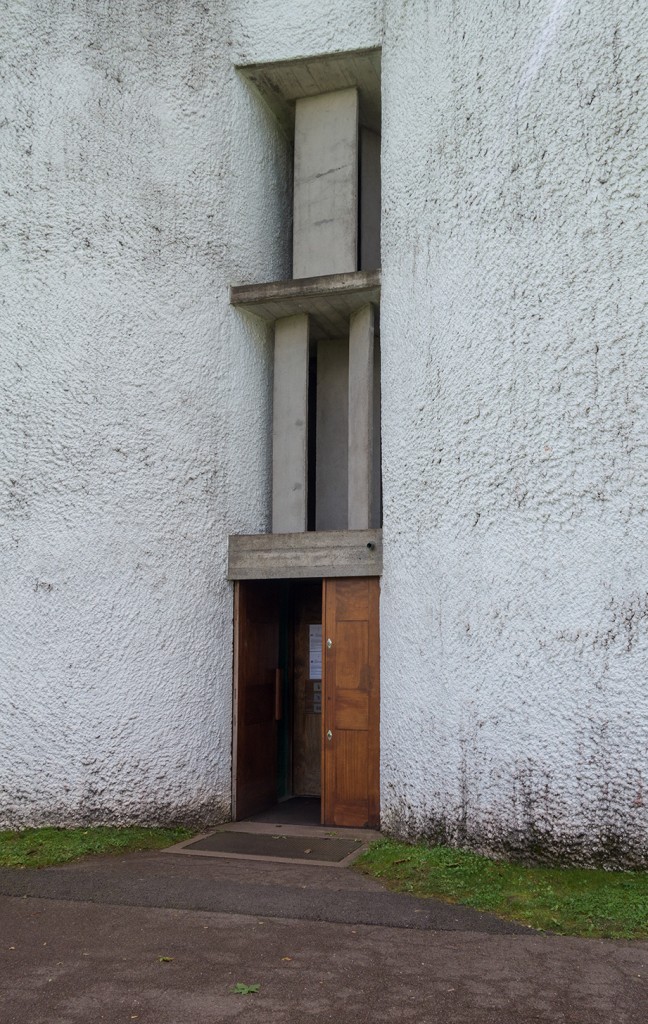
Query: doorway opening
[306,702]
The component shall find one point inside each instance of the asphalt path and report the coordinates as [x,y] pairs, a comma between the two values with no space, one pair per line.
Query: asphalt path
[163,939]
[182,883]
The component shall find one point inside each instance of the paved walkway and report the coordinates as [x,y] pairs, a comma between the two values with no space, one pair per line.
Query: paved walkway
[82,943]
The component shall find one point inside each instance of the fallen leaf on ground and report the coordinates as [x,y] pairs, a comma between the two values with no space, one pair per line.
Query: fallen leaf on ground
[165,959]
[241,989]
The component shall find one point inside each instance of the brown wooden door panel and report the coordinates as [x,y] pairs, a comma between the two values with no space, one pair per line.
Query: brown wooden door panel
[351,806]
[352,710]
[257,614]
[352,655]
[350,759]
[352,598]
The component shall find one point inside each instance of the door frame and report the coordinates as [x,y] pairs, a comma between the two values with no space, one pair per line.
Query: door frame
[236,695]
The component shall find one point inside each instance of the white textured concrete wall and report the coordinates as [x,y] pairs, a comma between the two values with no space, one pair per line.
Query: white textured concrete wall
[515,425]
[514,607]
[135,403]
[267,30]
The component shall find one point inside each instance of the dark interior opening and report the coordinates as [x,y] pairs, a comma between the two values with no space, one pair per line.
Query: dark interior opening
[285,622]
[295,810]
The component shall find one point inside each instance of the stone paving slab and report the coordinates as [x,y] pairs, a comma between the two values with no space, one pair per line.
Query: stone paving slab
[265,842]
[318,849]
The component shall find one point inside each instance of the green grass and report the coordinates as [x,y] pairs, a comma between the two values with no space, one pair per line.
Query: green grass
[39,847]
[569,901]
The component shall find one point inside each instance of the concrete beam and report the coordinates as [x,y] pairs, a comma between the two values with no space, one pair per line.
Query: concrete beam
[305,555]
[330,300]
[290,425]
[361,417]
[325,220]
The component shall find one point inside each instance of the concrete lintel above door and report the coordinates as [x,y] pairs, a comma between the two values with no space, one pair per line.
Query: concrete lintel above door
[314,555]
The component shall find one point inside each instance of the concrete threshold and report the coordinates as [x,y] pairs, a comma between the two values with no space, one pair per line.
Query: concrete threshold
[365,836]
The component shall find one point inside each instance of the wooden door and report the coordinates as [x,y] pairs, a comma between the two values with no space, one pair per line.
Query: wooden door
[351,720]
[257,622]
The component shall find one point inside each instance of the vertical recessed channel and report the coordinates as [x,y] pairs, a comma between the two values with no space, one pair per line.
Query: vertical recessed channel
[311,502]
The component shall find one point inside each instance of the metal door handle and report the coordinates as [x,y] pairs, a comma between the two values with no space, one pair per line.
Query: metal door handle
[329,735]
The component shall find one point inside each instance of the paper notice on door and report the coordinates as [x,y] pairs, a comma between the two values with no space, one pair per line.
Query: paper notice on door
[315,651]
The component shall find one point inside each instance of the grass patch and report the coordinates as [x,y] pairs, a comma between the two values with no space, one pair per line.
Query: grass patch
[569,901]
[40,847]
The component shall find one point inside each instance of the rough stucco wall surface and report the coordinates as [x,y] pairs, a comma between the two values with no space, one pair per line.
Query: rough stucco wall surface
[268,30]
[515,426]
[135,403]
[143,178]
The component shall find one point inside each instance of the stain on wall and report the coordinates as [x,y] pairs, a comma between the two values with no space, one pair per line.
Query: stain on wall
[140,179]
[515,682]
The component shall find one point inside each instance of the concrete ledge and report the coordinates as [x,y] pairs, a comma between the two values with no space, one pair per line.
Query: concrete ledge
[315,555]
[280,83]
[329,300]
